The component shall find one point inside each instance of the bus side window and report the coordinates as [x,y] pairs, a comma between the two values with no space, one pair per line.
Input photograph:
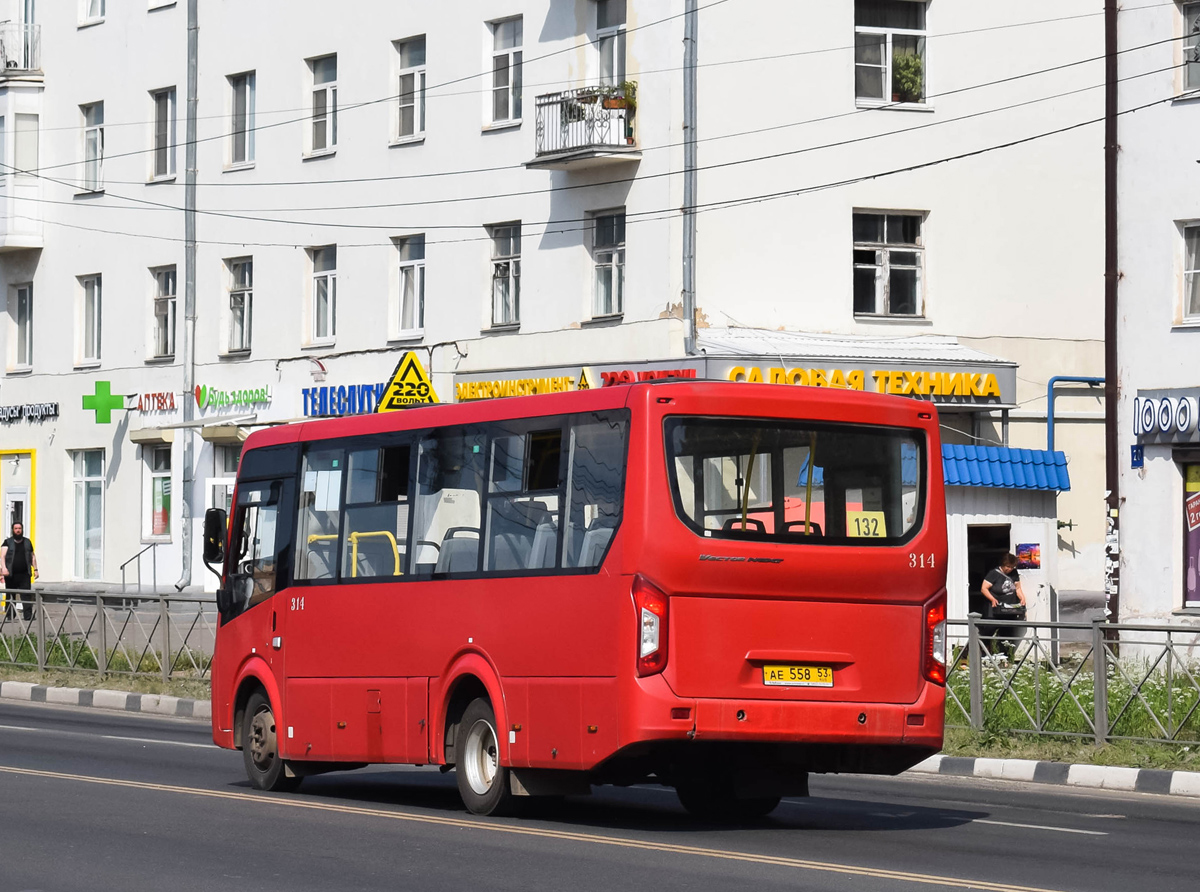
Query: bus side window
[320,514]
[446,505]
[376,512]
[255,545]
[524,497]
[595,487]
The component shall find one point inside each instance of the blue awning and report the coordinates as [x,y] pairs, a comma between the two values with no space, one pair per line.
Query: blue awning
[1005,468]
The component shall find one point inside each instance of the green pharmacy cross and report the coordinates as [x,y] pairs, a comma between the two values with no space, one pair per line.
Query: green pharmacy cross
[103,401]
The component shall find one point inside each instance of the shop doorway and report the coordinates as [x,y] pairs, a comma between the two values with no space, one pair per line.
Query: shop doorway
[986,544]
[16,485]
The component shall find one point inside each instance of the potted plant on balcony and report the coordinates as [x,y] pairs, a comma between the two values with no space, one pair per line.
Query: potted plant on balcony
[908,77]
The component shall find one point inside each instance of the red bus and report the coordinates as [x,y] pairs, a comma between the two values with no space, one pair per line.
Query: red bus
[713,586]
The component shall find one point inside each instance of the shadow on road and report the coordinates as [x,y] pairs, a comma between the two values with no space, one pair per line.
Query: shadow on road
[645,809]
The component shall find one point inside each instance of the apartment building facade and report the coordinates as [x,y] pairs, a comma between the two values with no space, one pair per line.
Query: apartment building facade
[1159,299]
[498,185]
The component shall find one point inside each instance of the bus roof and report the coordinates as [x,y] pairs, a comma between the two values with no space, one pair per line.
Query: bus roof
[812,399]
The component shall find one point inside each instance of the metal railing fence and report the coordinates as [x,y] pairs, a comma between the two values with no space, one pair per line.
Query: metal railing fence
[109,634]
[584,118]
[20,47]
[1103,681]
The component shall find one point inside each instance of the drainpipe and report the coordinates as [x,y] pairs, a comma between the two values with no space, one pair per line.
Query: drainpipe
[689,177]
[1065,379]
[189,297]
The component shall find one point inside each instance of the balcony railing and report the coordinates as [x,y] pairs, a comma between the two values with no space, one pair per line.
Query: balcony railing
[20,48]
[587,123]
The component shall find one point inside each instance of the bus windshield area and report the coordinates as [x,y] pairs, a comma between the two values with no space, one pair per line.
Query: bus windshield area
[796,481]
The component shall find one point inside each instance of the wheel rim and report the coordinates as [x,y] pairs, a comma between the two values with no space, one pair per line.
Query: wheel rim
[482,757]
[262,739]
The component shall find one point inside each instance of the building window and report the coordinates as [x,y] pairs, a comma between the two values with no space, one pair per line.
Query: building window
[225,465]
[88,469]
[506,70]
[5,170]
[888,254]
[157,515]
[506,273]
[242,122]
[25,144]
[411,88]
[91,11]
[608,253]
[89,318]
[164,312]
[610,41]
[164,133]
[24,326]
[93,146]
[241,300]
[1191,46]
[411,308]
[324,293]
[324,103]
[889,50]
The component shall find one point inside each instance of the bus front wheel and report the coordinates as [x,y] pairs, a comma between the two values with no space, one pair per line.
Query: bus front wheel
[482,781]
[714,801]
[260,747]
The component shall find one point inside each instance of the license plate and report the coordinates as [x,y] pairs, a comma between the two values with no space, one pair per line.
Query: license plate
[795,676]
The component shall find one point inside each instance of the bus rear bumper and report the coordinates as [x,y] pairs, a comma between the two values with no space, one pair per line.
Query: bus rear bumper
[872,738]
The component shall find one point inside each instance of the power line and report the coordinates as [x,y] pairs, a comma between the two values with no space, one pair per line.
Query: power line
[246,215]
[392,97]
[660,214]
[369,102]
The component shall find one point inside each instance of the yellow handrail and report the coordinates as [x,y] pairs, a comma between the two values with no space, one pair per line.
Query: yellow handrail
[325,537]
[354,537]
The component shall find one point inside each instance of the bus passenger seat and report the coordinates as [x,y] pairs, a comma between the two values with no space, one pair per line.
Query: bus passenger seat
[545,540]
[595,541]
[458,554]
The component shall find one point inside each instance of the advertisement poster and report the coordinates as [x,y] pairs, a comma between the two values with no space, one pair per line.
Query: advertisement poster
[1191,538]
[1029,556]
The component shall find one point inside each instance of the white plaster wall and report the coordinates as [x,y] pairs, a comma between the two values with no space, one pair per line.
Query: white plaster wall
[1029,513]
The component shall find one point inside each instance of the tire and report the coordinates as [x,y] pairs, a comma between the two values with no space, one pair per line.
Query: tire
[483,782]
[260,747]
[713,801]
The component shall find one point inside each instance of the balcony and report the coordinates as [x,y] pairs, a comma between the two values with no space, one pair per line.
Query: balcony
[20,49]
[588,127]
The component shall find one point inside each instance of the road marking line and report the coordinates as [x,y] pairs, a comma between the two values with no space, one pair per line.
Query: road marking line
[1041,827]
[142,740]
[540,832]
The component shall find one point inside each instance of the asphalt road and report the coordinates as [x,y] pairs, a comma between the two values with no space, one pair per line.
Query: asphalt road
[105,801]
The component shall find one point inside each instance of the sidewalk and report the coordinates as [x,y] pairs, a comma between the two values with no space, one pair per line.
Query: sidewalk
[1100,777]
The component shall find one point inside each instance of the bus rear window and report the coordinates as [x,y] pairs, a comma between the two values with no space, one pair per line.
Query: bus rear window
[795,481]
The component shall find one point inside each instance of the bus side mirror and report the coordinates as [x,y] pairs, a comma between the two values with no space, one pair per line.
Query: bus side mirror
[215,521]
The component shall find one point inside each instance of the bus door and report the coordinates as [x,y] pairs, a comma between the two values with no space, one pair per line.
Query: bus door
[259,568]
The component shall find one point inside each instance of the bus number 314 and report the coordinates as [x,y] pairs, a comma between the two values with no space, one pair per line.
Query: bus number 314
[920,560]
[297,603]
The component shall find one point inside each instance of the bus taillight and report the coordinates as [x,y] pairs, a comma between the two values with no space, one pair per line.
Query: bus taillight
[652,607]
[935,640]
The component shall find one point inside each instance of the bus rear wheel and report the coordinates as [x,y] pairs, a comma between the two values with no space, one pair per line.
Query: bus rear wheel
[260,747]
[714,801]
[483,782]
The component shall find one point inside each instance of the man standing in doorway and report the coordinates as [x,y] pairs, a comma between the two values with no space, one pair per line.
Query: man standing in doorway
[18,565]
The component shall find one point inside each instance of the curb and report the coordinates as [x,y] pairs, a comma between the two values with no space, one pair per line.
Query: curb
[1100,777]
[157,704]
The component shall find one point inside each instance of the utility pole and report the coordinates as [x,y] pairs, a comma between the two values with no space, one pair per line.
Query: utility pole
[1112,581]
[189,295]
[690,30]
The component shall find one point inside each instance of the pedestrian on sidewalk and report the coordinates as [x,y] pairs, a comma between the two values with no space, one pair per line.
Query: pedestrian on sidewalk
[1002,588]
[18,565]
